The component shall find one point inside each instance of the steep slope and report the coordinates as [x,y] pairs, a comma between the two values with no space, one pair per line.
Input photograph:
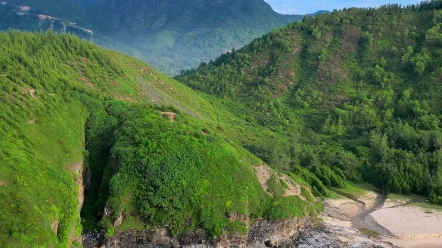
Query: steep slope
[42,130]
[355,91]
[148,151]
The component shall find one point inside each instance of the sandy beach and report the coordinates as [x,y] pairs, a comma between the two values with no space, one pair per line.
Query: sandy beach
[336,222]
[396,221]
[409,226]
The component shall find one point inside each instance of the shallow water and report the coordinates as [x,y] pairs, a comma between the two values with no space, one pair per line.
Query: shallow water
[358,221]
[369,232]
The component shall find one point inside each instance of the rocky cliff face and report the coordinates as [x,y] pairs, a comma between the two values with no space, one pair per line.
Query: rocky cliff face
[294,232]
[263,233]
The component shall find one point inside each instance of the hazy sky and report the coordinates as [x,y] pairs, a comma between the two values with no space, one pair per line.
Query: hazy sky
[311,6]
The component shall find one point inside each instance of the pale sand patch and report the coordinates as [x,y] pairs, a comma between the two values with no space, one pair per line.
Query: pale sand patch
[409,222]
[369,199]
[347,206]
[293,188]
[335,222]
[263,173]
[413,226]
[393,203]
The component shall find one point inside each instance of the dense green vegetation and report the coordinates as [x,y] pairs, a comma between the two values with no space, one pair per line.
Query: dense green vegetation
[71,109]
[42,130]
[352,95]
[170,35]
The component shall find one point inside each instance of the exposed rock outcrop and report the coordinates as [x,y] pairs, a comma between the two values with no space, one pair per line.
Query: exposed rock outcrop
[289,233]
[263,233]
[337,236]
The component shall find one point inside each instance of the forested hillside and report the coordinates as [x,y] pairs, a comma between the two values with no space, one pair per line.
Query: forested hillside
[144,150]
[353,95]
[170,35]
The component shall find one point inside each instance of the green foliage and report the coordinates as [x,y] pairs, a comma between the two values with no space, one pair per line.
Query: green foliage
[142,164]
[175,174]
[352,95]
[283,208]
[323,109]
[275,186]
[43,129]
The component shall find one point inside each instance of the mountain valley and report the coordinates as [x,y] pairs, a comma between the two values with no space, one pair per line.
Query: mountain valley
[307,136]
[171,36]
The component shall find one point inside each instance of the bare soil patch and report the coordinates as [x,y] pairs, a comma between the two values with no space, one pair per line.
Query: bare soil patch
[77,169]
[55,226]
[294,188]
[263,173]
[31,92]
[170,114]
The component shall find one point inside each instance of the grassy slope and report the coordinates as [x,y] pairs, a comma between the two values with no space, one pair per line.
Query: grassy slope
[43,134]
[43,139]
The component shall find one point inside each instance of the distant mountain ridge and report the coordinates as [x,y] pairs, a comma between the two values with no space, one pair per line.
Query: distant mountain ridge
[170,35]
[178,35]
[157,15]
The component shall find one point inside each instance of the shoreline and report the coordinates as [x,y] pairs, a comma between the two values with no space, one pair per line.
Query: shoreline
[408,226]
[398,222]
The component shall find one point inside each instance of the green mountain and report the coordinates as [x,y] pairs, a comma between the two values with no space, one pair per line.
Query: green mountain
[170,35]
[144,150]
[354,94]
[95,139]
[179,35]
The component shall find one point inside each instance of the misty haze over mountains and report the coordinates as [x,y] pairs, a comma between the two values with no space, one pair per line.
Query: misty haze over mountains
[170,35]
